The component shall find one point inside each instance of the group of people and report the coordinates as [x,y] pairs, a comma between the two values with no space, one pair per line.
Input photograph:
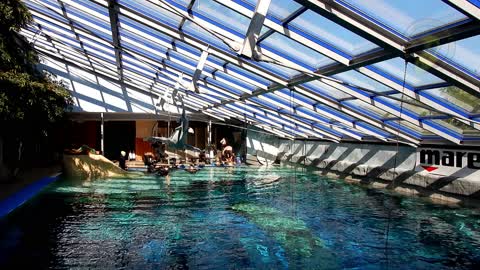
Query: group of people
[159,162]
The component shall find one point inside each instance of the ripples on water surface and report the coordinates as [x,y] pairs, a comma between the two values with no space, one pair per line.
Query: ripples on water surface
[235,218]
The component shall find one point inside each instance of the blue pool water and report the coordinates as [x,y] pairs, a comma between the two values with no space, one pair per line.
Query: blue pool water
[235,218]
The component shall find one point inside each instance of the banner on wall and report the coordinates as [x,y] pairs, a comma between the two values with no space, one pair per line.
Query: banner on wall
[449,162]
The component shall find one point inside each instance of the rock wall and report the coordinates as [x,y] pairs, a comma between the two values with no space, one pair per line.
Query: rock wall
[92,166]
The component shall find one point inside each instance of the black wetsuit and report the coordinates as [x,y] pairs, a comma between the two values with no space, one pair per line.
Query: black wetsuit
[121,162]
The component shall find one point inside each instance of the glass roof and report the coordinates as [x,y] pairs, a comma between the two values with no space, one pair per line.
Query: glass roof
[463,53]
[280,9]
[327,31]
[158,46]
[407,17]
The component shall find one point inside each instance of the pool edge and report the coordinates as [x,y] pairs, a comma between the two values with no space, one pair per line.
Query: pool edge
[15,200]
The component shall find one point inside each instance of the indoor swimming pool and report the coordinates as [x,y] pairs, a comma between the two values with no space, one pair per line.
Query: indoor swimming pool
[235,218]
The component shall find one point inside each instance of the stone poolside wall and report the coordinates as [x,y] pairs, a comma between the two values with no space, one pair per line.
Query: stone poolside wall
[369,163]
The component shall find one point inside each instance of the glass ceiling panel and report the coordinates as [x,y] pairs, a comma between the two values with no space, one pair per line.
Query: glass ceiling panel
[85,21]
[460,127]
[357,78]
[409,128]
[248,74]
[408,17]
[284,72]
[155,57]
[222,15]
[456,97]
[325,90]
[50,8]
[464,53]
[405,107]
[367,109]
[279,9]
[194,30]
[182,2]
[319,118]
[91,5]
[457,131]
[337,113]
[239,83]
[152,11]
[293,50]
[181,57]
[224,86]
[324,29]
[415,76]
[127,22]
[380,132]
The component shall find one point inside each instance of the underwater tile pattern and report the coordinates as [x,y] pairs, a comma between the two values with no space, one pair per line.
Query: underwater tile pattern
[235,218]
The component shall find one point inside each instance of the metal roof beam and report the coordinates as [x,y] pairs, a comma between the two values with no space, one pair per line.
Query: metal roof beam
[249,45]
[466,7]
[113,13]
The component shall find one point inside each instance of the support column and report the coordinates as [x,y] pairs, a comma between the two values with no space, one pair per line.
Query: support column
[209,140]
[102,134]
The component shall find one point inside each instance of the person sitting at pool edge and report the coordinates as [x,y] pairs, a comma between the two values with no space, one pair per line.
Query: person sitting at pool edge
[227,153]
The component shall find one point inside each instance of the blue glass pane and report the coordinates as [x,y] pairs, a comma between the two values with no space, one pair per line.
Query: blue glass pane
[368,109]
[460,127]
[279,9]
[296,52]
[198,32]
[153,11]
[91,5]
[320,118]
[51,9]
[184,46]
[408,17]
[153,51]
[105,24]
[357,78]
[279,70]
[222,15]
[325,90]
[456,97]
[238,83]
[415,76]
[184,3]
[335,112]
[465,53]
[378,131]
[216,60]
[420,110]
[224,86]
[248,74]
[323,29]
[141,27]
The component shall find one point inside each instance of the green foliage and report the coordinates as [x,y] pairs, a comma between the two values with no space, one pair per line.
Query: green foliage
[14,15]
[15,52]
[27,97]
[24,97]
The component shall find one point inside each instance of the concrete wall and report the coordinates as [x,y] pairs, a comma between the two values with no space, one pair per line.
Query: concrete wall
[375,164]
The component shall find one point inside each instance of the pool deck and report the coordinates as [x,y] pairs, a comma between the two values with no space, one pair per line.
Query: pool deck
[25,178]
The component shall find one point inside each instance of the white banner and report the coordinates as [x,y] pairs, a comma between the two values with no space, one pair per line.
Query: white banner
[449,162]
